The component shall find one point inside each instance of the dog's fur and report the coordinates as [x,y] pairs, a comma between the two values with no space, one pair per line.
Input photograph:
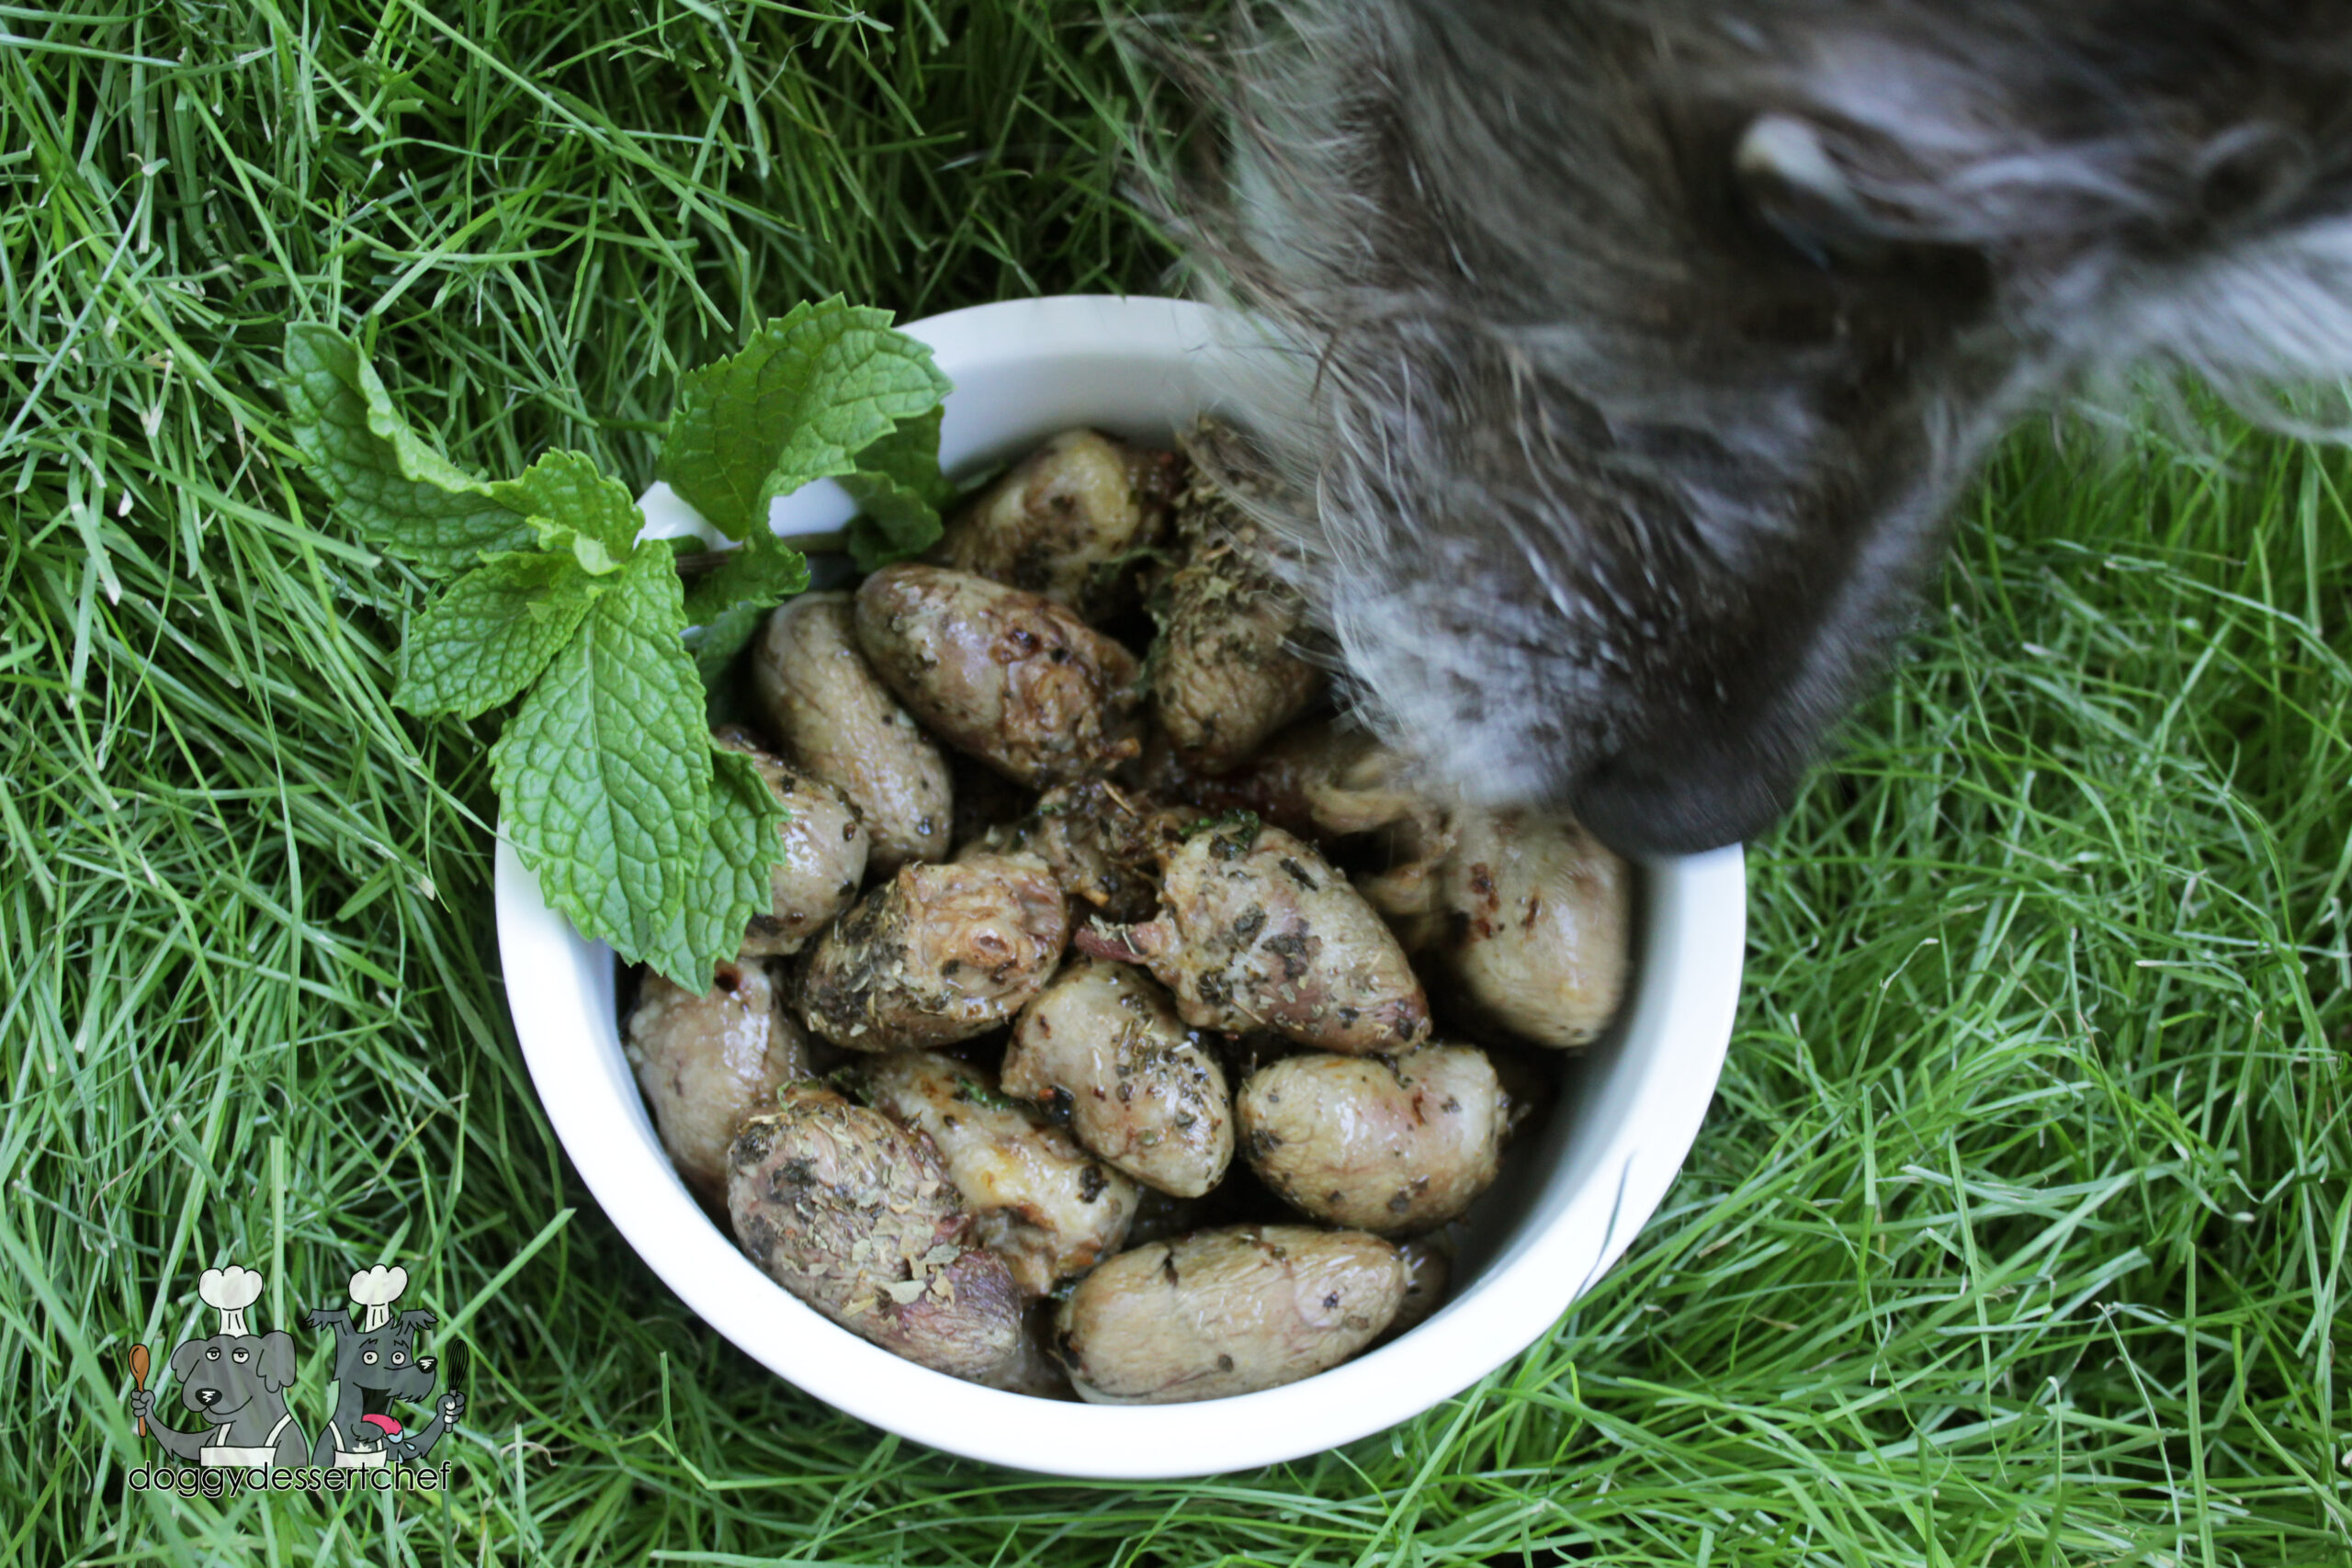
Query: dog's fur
[372,1370]
[1649,339]
[236,1384]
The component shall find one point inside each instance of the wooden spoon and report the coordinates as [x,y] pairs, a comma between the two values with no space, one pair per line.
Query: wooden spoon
[139,1378]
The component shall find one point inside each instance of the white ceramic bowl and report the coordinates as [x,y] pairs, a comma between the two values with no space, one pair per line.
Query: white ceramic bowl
[1566,1208]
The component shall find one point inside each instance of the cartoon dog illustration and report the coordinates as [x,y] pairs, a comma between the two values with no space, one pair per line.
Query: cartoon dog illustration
[235,1381]
[376,1364]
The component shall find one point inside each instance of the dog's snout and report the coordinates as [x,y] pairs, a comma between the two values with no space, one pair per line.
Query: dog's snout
[1640,806]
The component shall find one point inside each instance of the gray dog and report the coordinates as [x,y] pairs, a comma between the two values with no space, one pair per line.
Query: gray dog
[378,1363]
[235,1381]
[1650,340]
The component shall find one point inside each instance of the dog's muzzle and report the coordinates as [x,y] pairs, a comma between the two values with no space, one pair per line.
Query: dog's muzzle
[1697,800]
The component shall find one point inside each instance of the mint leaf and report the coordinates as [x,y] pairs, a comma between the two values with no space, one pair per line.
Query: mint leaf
[766,572]
[492,633]
[896,524]
[573,508]
[717,645]
[898,485]
[604,774]
[397,491]
[733,883]
[728,605]
[909,458]
[814,388]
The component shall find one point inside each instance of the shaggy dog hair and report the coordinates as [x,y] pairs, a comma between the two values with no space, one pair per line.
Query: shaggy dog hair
[1645,342]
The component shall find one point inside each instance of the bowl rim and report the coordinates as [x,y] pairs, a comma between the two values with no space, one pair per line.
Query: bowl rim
[1686,995]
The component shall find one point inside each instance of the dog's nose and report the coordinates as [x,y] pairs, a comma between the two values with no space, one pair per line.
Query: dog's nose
[1700,800]
[425,1364]
[208,1398]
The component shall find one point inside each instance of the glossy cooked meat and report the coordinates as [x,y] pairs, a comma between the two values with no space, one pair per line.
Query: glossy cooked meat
[854,1215]
[1065,519]
[940,952]
[1324,779]
[1535,924]
[1256,929]
[1391,1145]
[1009,677]
[1045,1205]
[706,1062]
[1102,1044]
[1327,780]
[1225,1311]
[836,720]
[1225,672]
[821,861]
[1103,843]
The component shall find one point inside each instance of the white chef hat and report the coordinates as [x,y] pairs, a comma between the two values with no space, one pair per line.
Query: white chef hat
[231,1290]
[377,1289]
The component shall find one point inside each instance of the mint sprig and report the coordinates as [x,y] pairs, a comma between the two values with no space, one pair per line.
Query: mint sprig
[641,830]
[900,489]
[399,494]
[736,847]
[574,509]
[604,774]
[815,389]
[483,642]
[728,605]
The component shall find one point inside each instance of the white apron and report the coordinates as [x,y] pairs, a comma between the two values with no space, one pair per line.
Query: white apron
[260,1458]
[367,1458]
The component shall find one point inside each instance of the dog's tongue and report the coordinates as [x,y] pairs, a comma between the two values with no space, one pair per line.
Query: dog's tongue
[390,1428]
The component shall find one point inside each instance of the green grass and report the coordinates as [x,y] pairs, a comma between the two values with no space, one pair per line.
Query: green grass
[2018,1233]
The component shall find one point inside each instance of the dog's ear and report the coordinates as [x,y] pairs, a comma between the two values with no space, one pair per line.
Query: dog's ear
[277,1360]
[1791,184]
[413,1321]
[183,1358]
[330,1317]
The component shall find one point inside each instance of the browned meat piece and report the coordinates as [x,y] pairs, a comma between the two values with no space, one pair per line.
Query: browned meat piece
[1066,520]
[834,716]
[1045,1205]
[854,1215]
[1015,680]
[1327,780]
[939,953]
[1225,672]
[1102,845]
[706,1062]
[1533,922]
[1226,1311]
[823,856]
[1391,1145]
[1102,1043]
[1256,929]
